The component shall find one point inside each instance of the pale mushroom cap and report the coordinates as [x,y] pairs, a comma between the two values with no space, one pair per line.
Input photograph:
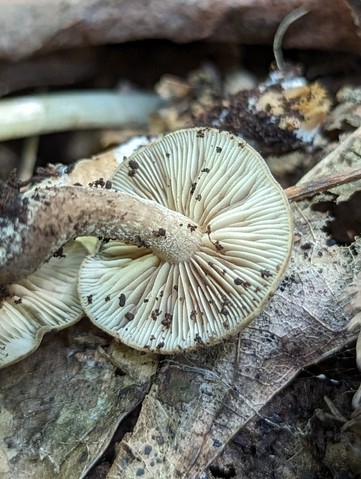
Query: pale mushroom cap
[224,187]
[44,301]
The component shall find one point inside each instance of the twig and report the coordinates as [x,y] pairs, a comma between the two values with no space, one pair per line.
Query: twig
[311,188]
[309,185]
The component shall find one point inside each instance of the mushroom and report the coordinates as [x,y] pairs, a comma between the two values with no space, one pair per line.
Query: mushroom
[208,288]
[46,300]
[200,235]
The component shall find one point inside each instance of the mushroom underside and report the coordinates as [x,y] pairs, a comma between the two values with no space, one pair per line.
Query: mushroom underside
[225,189]
[44,301]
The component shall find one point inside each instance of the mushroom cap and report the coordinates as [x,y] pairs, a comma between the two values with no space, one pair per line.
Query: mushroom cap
[223,185]
[46,300]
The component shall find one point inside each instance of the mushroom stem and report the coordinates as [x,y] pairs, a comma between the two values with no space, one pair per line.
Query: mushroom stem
[36,224]
[46,113]
[280,33]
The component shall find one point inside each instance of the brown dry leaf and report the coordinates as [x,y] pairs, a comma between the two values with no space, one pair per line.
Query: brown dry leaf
[331,25]
[61,406]
[199,401]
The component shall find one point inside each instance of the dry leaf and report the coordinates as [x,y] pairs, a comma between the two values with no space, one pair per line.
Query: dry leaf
[61,406]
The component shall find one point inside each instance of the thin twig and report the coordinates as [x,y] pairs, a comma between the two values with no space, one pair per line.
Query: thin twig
[311,188]
[316,182]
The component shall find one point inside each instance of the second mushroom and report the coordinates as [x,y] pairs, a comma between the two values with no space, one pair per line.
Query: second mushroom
[212,281]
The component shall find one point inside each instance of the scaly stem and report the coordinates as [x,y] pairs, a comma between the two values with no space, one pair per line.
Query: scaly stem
[34,225]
